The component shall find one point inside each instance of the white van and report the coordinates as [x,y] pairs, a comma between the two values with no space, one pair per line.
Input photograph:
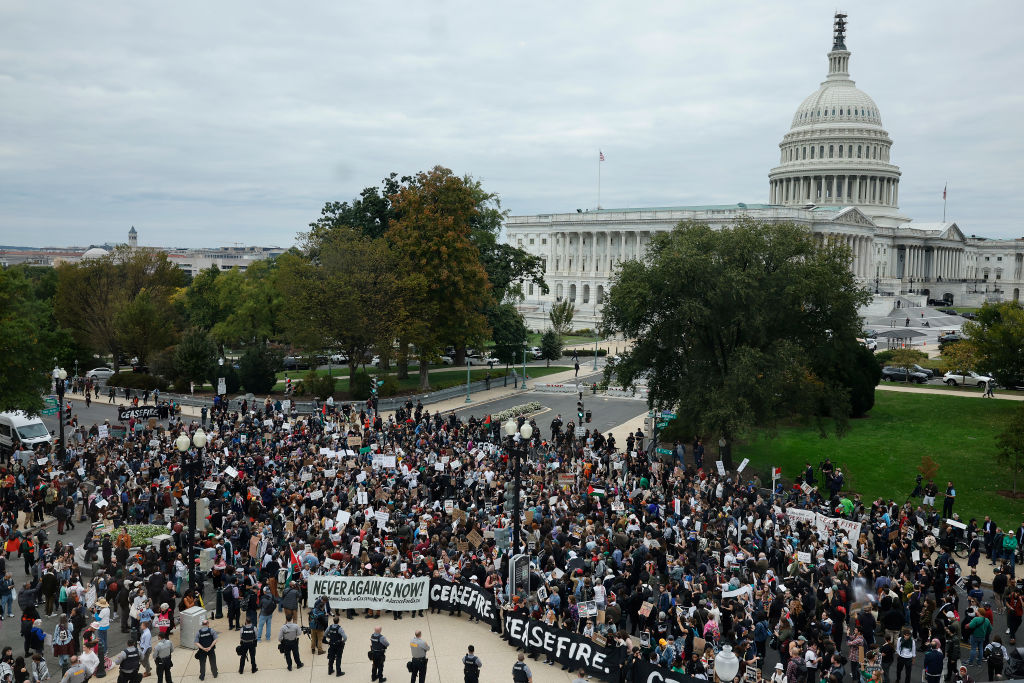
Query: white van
[19,431]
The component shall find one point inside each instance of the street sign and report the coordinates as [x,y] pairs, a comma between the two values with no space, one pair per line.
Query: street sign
[51,401]
[519,574]
[49,411]
[661,425]
[222,387]
[668,415]
[664,451]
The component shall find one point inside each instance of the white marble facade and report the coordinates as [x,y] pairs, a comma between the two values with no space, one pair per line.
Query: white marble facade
[834,175]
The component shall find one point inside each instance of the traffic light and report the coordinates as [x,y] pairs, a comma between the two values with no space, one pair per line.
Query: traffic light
[202,513]
[510,495]
[579,411]
[588,416]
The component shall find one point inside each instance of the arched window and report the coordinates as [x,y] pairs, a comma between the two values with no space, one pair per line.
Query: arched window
[558,291]
[572,292]
[840,151]
[821,151]
[600,294]
[812,151]
[805,151]
[849,151]
[859,150]
[586,294]
[830,151]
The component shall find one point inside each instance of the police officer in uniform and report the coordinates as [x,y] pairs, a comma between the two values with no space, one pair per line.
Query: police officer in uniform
[130,660]
[520,672]
[76,673]
[206,641]
[418,665]
[471,666]
[247,645]
[335,638]
[378,646]
[288,638]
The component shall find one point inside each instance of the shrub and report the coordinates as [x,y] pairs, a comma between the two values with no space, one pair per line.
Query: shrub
[516,411]
[318,386]
[389,388]
[181,385]
[230,376]
[359,386]
[257,368]
[142,533]
[137,380]
[885,357]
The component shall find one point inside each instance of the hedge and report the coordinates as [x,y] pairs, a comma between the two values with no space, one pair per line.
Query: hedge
[587,353]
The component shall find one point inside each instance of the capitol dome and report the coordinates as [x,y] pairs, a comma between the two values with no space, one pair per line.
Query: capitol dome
[836,151]
[95,253]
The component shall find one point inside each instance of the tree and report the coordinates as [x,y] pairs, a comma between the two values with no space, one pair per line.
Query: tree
[27,363]
[998,335]
[561,315]
[202,304]
[961,356]
[258,367]
[730,325]
[433,234]
[1011,445]
[143,325]
[346,291]
[195,357]
[509,333]
[550,347]
[905,359]
[371,213]
[248,305]
[91,294]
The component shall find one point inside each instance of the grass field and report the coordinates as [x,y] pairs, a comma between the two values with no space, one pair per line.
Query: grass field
[441,379]
[533,339]
[881,453]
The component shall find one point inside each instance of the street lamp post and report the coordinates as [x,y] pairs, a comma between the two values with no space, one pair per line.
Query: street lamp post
[726,664]
[192,468]
[524,368]
[468,365]
[524,433]
[59,375]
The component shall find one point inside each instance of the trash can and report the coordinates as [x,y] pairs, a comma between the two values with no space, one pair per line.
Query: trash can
[191,622]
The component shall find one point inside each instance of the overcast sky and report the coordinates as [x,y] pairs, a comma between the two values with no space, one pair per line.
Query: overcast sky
[207,123]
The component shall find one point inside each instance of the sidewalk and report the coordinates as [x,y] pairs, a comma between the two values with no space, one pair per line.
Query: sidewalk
[447,637]
[976,393]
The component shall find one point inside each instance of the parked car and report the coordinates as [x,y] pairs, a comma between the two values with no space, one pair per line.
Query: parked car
[924,371]
[339,359]
[869,343]
[868,334]
[447,360]
[536,353]
[969,378]
[99,374]
[894,374]
[295,363]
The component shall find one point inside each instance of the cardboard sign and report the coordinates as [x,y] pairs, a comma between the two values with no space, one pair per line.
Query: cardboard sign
[803,557]
[743,465]
[475,538]
[646,608]
[363,498]
[721,468]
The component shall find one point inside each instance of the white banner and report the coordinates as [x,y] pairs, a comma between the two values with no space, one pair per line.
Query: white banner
[825,525]
[371,592]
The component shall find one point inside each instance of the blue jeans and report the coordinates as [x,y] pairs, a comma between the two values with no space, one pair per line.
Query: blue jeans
[101,635]
[976,645]
[263,619]
[5,605]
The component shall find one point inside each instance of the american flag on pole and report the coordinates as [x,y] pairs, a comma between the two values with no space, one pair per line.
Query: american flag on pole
[600,155]
[944,190]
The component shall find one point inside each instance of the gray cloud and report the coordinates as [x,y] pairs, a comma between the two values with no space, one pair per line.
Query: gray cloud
[203,123]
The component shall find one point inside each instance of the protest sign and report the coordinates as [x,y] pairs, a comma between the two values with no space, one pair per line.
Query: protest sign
[565,647]
[469,597]
[370,592]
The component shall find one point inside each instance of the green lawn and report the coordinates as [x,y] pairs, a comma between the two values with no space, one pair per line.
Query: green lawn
[568,340]
[441,379]
[880,454]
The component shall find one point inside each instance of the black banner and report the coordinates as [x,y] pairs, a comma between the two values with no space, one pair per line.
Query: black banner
[469,597]
[141,413]
[564,646]
[648,673]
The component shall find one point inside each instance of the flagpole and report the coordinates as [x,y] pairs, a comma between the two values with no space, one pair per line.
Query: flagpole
[598,179]
[945,190]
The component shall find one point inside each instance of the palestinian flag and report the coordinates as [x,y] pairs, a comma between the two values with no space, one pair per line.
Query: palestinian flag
[294,565]
[600,493]
[487,420]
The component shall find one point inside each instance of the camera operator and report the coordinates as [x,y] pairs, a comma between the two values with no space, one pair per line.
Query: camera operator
[288,643]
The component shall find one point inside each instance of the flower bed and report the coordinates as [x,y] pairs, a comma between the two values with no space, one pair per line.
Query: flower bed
[141,533]
[516,411]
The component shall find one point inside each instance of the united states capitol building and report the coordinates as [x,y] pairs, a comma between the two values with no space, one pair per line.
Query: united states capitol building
[835,175]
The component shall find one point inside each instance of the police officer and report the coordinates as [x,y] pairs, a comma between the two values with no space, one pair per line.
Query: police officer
[76,673]
[378,646]
[247,645]
[471,666]
[418,665]
[335,638]
[288,637]
[520,672]
[206,641]
[130,660]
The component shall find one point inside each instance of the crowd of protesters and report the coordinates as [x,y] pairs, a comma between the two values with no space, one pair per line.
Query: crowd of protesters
[678,557]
